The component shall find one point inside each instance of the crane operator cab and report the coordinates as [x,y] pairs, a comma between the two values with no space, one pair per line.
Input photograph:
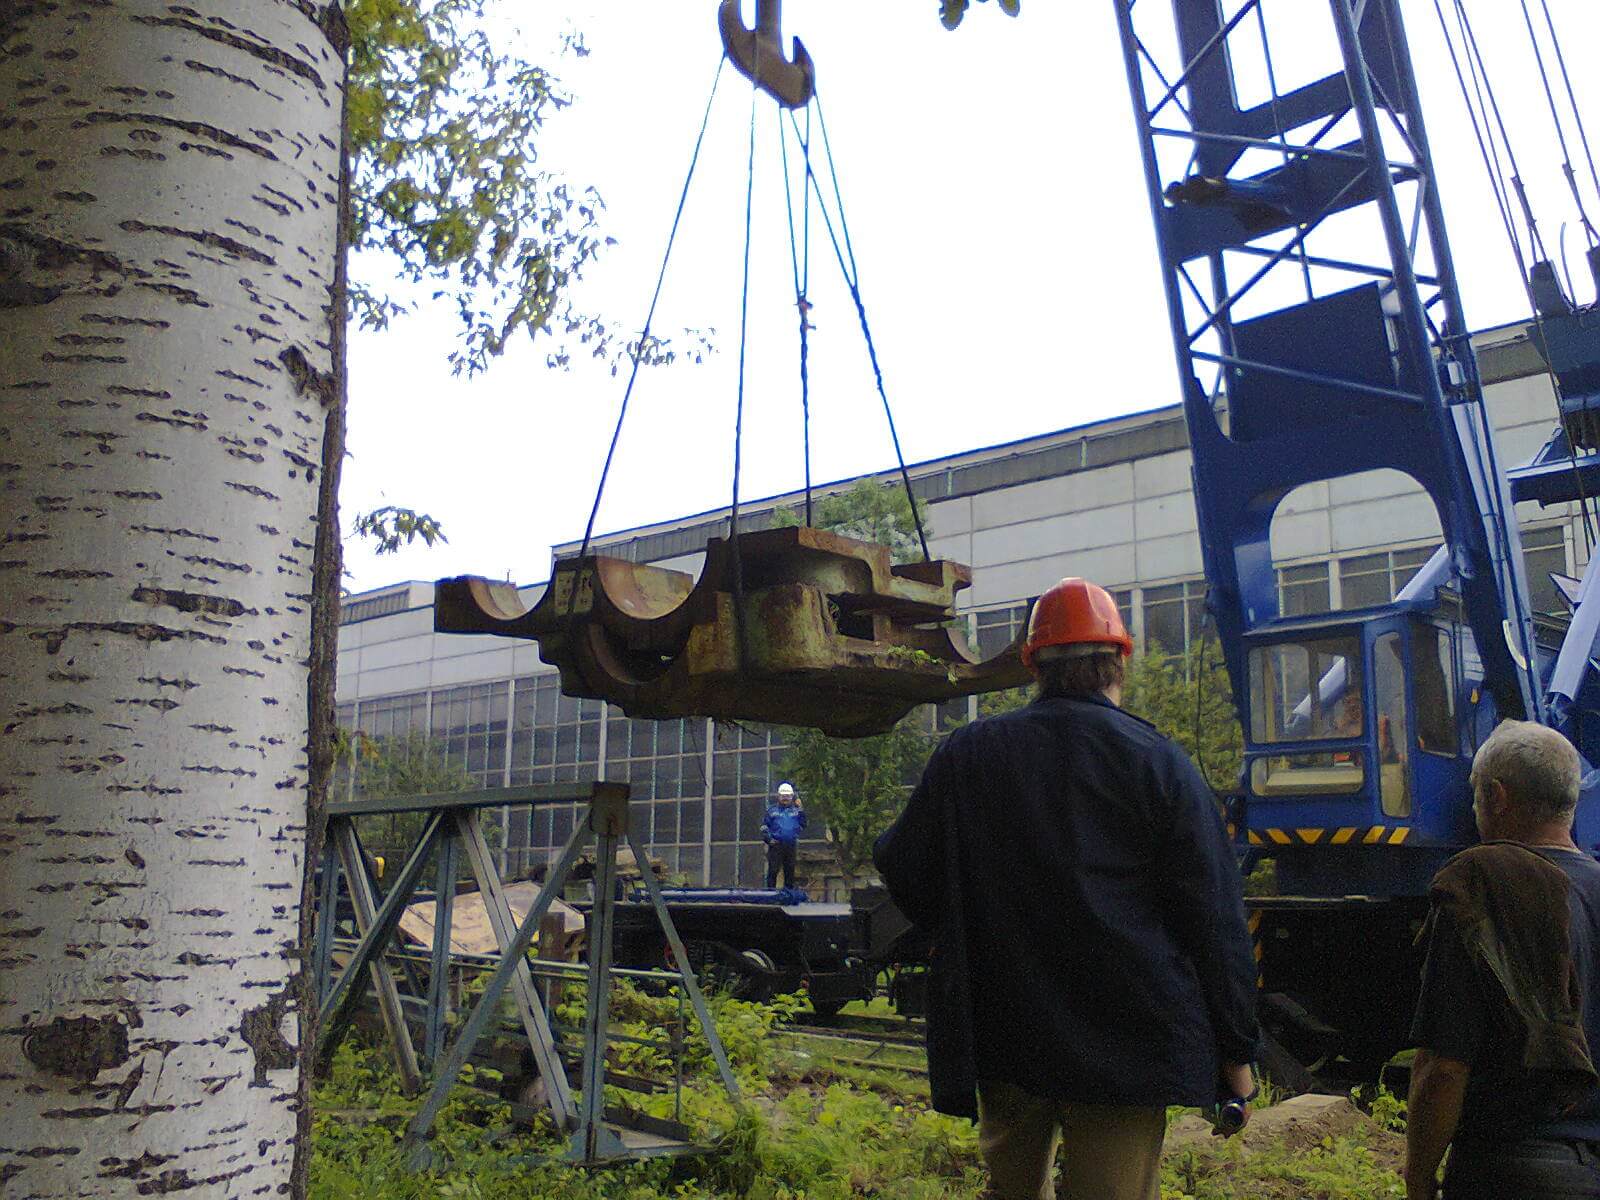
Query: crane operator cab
[1349,722]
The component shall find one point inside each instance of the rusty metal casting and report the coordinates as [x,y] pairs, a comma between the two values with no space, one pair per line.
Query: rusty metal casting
[758,53]
[833,636]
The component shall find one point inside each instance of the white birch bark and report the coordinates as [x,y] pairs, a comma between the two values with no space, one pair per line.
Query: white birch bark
[167,240]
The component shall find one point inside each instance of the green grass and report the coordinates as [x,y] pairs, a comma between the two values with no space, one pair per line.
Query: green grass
[812,1129]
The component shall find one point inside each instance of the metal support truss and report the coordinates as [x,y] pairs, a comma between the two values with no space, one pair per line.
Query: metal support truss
[1312,297]
[451,835]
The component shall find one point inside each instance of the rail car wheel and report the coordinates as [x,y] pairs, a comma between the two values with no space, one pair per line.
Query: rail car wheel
[753,970]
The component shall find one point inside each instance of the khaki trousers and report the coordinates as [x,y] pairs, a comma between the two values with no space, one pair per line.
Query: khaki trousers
[1113,1152]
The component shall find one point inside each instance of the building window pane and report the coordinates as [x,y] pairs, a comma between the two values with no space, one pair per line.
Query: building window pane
[1303,590]
[1407,563]
[1544,552]
[997,628]
[1164,613]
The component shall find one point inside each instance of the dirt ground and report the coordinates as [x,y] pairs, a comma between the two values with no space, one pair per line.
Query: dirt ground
[1292,1128]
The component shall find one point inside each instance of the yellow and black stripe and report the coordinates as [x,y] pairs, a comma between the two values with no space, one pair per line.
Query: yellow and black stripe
[1373,835]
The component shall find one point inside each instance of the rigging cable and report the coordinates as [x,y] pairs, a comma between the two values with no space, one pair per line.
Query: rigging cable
[1491,163]
[738,412]
[842,252]
[1555,116]
[644,336]
[802,286]
[1572,98]
[1485,140]
[1486,87]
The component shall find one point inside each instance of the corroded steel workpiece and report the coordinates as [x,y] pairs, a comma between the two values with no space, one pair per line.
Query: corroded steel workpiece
[832,635]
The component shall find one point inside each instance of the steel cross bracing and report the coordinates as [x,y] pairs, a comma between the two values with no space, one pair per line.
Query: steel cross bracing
[1312,297]
[451,833]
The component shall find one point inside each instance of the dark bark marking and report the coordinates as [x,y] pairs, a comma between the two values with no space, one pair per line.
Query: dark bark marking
[182,295]
[160,704]
[135,152]
[181,533]
[251,489]
[52,254]
[208,151]
[141,631]
[159,681]
[267,54]
[262,1031]
[114,359]
[77,1047]
[133,1168]
[118,320]
[139,393]
[189,601]
[200,560]
[16,294]
[197,128]
[65,573]
[89,339]
[228,373]
[168,1182]
[208,69]
[177,422]
[204,238]
[307,378]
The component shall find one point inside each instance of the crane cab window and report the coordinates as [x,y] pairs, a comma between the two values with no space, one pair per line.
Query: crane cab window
[1433,683]
[1302,692]
[1298,689]
[1389,687]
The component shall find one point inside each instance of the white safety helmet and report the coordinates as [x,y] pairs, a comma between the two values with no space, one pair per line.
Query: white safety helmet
[786,789]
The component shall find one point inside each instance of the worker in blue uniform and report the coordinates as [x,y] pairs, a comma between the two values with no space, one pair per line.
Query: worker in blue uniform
[1091,961]
[1509,1014]
[780,830]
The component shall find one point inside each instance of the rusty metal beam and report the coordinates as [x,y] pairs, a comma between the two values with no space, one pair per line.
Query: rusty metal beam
[824,632]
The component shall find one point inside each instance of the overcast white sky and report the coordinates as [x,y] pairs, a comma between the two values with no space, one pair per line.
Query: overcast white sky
[997,208]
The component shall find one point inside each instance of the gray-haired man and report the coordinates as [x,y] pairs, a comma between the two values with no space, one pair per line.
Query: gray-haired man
[1510,1002]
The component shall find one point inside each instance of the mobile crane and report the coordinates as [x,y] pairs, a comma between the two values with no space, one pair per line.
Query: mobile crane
[1319,334]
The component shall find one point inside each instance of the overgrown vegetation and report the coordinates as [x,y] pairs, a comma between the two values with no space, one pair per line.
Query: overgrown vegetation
[1188,697]
[812,1128]
[408,764]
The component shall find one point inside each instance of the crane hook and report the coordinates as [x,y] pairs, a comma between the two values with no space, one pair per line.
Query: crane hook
[758,53]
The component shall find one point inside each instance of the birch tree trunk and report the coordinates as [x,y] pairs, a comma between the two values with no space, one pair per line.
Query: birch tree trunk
[168,180]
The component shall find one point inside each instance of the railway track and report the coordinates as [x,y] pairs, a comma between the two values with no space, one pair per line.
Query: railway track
[883,1043]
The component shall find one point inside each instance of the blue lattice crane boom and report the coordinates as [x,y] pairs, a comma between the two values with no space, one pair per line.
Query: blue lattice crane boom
[1319,332]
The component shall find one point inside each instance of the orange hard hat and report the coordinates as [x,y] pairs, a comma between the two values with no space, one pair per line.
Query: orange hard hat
[1075,612]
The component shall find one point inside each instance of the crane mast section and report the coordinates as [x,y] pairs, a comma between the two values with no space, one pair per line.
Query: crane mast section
[1313,301]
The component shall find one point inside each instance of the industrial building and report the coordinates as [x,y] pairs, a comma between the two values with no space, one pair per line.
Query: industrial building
[1111,501]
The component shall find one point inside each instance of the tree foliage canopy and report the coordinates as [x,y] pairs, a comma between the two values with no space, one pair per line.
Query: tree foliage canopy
[951,12]
[408,764]
[870,511]
[1188,698]
[857,785]
[447,185]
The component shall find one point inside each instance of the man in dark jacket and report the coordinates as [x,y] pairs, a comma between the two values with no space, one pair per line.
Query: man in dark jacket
[1510,1008]
[1092,963]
